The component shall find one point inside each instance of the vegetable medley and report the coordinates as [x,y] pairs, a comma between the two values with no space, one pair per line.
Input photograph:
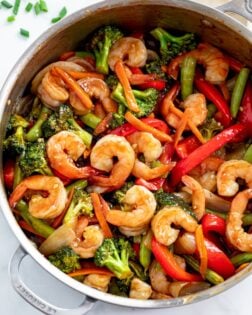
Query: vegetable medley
[130,166]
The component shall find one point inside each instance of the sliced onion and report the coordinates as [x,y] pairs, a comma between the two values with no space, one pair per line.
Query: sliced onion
[61,237]
[179,288]
[185,244]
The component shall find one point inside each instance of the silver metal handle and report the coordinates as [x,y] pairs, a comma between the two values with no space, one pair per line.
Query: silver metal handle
[35,300]
[241,7]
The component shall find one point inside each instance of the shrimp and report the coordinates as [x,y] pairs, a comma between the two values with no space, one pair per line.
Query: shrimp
[143,205]
[42,207]
[96,88]
[227,174]
[198,196]
[130,50]
[52,91]
[158,278]
[133,231]
[139,290]
[99,282]
[144,142]
[161,224]
[210,57]
[62,150]
[65,65]
[196,109]
[234,231]
[102,158]
[92,239]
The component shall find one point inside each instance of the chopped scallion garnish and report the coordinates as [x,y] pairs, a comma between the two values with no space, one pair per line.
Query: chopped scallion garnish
[63,12]
[37,8]
[16,7]
[24,32]
[43,6]
[6,4]
[56,19]
[28,7]
[11,18]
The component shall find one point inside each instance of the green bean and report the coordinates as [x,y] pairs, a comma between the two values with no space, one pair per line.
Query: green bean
[144,254]
[187,76]
[210,275]
[241,259]
[90,120]
[78,184]
[238,91]
[16,7]
[39,226]
[248,154]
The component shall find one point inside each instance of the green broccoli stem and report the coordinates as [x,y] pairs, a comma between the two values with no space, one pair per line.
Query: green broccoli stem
[39,226]
[78,184]
[102,57]
[187,76]
[36,132]
[90,120]
[210,275]
[83,134]
[241,259]
[18,175]
[144,254]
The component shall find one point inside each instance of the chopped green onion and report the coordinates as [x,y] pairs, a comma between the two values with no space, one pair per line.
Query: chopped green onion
[238,91]
[29,7]
[24,32]
[37,8]
[11,18]
[63,12]
[6,4]
[248,154]
[16,7]
[56,19]
[43,6]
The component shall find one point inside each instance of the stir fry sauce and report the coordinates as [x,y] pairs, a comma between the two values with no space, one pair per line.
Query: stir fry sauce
[132,171]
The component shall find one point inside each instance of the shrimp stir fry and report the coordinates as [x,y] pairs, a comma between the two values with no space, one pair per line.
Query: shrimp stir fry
[132,171]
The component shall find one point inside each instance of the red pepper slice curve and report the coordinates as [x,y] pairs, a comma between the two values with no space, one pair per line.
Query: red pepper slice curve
[213,94]
[169,264]
[201,153]
[8,173]
[187,146]
[167,154]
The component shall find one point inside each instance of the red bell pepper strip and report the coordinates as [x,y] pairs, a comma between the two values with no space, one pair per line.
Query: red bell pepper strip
[234,64]
[245,116]
[127,129]
[8,173]
[213,223]
[218,261]
[212,94]
[187,146]
[169,264]
[153,185]
[201,153]
[136,249]
[66,55]
[154,84]
[167,154]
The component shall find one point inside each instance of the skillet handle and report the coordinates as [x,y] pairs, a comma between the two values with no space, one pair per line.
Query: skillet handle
[34,299]
[241,7]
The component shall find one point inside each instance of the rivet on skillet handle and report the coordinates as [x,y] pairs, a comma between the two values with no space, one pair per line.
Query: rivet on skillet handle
[241,7]
[35,300]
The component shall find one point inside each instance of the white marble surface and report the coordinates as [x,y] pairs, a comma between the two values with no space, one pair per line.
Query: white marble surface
[234,301]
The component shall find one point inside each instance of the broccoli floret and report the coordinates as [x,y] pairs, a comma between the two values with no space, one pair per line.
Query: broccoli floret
[33,159]
[170,45]
[114,254]
[36,131]
[101,43]
[81,204]
[119,194]
[120,287]
[210,128]
[168,199]
[112,81]
[146,101]
[14,143]
[65,259]
[63,119]
[155,68]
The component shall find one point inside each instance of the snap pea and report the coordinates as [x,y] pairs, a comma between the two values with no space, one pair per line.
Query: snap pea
[246,219]
[241,259]
[238,91]
[90,120]
[78,184]
[144,254]
[187,76]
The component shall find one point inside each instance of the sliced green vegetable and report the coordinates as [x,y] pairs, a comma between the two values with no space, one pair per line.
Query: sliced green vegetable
[16,7]
[63,12]
[56,19]
[6,4]
[238,91]
[24,32]
[90,120]
[241,259]
[29,7]
[248,154]
[43,6]
[11,18]
[187,76]
[37,8]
